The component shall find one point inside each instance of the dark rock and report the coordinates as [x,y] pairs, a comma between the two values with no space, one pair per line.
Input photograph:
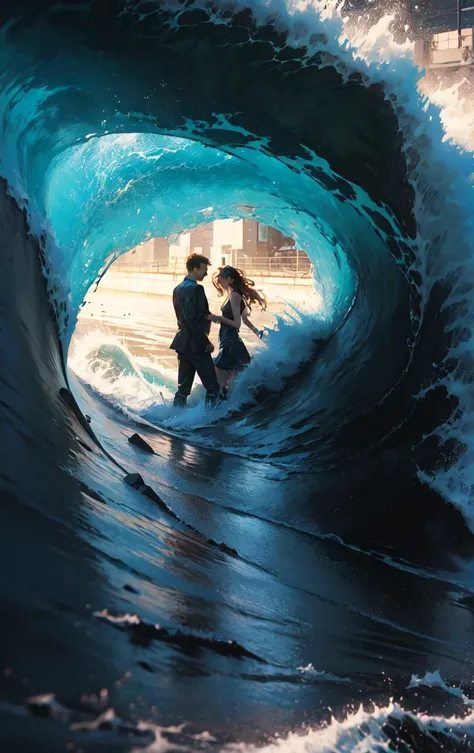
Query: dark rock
[47,706]
[139,442]
[39,709]
[131,589]
[144,633]
[147,667]
[224,548]
[135,480]
[147,491]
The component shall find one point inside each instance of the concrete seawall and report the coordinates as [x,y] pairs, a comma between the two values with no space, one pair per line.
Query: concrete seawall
[276,289]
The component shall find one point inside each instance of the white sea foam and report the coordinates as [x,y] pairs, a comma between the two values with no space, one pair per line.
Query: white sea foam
[359,731]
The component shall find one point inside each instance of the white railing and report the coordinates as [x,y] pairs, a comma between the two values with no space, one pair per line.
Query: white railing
[297,266]
[158,266]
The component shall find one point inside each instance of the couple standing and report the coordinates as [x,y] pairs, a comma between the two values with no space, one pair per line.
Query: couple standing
[194,319]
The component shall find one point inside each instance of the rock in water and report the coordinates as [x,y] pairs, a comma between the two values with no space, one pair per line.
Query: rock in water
[136,481]
[139,442]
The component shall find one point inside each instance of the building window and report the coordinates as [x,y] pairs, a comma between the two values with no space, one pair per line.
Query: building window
[262,232]
[225,259]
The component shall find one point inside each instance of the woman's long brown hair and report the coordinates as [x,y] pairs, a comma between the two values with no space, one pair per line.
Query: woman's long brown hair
[240,284]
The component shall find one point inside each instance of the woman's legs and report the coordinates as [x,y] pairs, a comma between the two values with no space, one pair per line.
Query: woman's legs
[232,375]
[224,377]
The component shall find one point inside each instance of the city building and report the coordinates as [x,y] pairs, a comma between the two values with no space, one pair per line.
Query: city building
[446,49]
[243,243]
[445,36]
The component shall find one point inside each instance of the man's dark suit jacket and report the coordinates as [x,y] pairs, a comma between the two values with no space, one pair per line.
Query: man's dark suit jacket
[192,309]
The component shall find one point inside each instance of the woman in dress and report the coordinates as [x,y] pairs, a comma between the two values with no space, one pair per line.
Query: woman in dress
[233,356]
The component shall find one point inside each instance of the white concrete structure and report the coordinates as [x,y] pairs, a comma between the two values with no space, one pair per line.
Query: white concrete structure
[228,236]
[445,50]
[181,248]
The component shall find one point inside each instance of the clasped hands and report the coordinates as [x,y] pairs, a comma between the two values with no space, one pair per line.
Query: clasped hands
[214,318]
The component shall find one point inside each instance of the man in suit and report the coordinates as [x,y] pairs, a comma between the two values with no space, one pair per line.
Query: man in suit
[191,341]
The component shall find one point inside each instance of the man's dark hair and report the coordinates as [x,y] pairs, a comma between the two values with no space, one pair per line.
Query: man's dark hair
[195,260]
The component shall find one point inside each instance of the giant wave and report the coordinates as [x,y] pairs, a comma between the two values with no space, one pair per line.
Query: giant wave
[124,120]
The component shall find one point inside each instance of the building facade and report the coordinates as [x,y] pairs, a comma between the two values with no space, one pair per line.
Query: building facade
[222,241]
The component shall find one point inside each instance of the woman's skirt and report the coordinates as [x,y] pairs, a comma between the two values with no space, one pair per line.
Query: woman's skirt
[232,355]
